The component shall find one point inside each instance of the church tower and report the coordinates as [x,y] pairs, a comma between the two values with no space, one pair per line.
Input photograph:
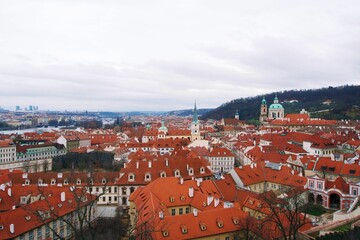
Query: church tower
[263,111]
[195,128]
[237,114]
[276,110]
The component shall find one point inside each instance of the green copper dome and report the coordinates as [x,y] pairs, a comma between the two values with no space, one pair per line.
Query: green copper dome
[276,104]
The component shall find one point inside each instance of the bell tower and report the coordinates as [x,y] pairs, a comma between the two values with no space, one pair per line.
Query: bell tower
[263,111]
[195,128]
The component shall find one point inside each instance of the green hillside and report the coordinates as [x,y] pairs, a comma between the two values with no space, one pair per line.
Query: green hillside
[343,103]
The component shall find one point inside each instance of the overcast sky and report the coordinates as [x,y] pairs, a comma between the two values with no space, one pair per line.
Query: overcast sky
[122,55]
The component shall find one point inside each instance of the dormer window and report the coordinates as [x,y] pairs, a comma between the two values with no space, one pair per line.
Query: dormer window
[191,171]
[172,199]
[162,174]
[177,173]
[53,182]
[103,181]
[148,177]
[202,226]
[131,177]
[78,181]
[184,229]
[40,181]
[165,233]
[235,220]
[66,182]
[220,223]
[202,170]
[27,182]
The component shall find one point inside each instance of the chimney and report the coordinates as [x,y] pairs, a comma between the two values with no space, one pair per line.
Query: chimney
[124,165]
[181,180]
[24,175]
[191,192]
[59,175]
[12,228]
[9,192]
[149,164]
[292,172]
[62,196]
[167,162]
[209,200]
[137,165]
[195,212]
[251,166]
[161,215]
[216,202]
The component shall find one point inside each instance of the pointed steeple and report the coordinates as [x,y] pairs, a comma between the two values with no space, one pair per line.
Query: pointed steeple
[195,115]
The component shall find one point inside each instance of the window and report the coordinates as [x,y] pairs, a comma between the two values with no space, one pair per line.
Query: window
[355,192]
[39,232]
[172,212]
[31,235]
[180,211]
[187,210]
[165,233]
[311,184]
[147,177]
[124,191]
[131,177]
[184,229]
[110,199]
[220,223]
[47,231]
[320,185]
[202,226]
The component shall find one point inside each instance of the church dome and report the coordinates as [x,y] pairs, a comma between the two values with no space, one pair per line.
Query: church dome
[276,104]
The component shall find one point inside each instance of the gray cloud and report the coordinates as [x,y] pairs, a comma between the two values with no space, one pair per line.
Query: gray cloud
[157,55]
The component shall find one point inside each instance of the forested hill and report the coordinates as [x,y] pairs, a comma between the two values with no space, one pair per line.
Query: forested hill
[328,103]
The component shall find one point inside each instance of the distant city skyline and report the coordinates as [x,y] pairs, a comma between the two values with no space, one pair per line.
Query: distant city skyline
[158,55]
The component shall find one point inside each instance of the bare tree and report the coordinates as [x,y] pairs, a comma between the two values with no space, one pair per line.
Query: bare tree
[285,212]
[83,220]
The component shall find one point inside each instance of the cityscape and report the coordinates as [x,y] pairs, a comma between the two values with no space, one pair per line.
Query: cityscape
[174,120]
[164,176]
